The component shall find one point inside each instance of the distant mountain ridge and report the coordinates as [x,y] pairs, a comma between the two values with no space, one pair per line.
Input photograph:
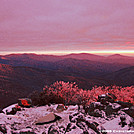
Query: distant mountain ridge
[53,62]
[20,74]
[80,56]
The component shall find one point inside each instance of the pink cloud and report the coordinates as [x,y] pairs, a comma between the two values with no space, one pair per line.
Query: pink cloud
[60,25]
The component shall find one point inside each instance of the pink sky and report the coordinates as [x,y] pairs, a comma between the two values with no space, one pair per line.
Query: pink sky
[63,26]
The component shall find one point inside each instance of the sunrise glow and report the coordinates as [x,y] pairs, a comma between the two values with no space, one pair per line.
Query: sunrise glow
[105,53]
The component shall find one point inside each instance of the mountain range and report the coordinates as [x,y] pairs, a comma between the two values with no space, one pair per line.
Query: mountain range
[21,74]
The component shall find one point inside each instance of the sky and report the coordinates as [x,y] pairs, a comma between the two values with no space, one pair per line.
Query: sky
[67,26]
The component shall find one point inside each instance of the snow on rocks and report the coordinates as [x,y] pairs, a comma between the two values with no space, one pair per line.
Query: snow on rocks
[9,109]
[98,117]
[72,122]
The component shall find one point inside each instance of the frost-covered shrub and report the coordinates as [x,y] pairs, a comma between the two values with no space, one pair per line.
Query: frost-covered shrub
[69,93]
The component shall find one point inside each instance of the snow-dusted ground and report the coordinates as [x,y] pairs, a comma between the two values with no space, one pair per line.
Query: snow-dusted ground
[25,120]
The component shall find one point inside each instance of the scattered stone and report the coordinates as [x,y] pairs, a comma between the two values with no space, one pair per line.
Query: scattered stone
[72,122]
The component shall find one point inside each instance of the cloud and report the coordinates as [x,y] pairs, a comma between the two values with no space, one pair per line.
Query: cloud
[60,25]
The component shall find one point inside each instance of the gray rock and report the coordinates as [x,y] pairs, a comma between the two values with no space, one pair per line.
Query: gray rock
[49,118]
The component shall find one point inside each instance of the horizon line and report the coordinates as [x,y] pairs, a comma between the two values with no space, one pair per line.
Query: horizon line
[60,53]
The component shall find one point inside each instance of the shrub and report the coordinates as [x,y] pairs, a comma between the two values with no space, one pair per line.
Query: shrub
[69,93]
[40,98]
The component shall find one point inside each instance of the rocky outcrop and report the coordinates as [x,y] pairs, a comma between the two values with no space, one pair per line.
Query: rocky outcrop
[97,118]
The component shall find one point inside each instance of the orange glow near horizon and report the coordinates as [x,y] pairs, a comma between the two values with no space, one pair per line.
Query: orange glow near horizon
[101,52]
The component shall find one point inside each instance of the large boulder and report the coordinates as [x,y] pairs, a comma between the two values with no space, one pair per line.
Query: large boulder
[49,118]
